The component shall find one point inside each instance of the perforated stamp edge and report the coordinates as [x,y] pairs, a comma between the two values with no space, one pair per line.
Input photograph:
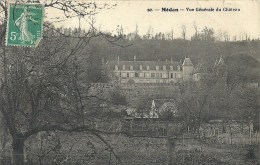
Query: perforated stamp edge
[7,25]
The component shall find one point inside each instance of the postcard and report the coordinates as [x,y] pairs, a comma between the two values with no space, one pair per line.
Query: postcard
[129,82]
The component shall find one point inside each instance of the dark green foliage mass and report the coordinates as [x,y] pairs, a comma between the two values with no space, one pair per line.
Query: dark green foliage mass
[245,53]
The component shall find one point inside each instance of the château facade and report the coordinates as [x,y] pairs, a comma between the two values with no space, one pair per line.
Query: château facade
[151,72]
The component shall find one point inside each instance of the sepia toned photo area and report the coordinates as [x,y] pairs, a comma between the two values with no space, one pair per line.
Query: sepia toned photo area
[129,82]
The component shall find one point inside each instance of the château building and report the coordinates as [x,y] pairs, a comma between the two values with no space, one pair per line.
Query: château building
[150,72]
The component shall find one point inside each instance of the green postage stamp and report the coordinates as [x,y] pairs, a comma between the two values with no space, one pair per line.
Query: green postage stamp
[24,26]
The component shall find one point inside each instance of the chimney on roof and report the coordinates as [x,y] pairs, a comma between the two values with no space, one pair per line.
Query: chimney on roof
[134,58]
[171,59]
[118,59]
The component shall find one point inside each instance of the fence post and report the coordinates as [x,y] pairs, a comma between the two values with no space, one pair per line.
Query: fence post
[218,136]
[230,140]
[171,151]
[250,132]
[256,138]
[244,140]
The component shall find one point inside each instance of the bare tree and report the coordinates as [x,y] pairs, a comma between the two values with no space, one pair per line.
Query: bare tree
[149,33]
[43,89]
[172,34]
[207,34]
[219,35]
[183,32]
[226,36]
[196,30]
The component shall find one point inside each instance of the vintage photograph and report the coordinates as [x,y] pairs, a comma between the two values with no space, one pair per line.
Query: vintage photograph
[93,82]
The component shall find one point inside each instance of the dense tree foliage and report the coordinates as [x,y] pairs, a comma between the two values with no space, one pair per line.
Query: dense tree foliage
[205,48]
[46,88]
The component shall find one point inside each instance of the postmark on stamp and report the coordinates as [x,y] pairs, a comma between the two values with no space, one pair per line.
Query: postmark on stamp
[24,26]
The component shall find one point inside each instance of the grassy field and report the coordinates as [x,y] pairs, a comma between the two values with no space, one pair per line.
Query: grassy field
[85,149]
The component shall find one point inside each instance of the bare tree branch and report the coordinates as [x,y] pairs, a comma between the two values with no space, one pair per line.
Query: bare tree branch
[109,147]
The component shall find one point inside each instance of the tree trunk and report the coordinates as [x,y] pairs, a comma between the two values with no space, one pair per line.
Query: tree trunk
[18,151]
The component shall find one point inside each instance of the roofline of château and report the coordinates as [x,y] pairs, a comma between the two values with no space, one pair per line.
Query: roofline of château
[145,61]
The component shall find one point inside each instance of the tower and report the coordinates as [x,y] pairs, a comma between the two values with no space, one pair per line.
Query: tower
[187,69]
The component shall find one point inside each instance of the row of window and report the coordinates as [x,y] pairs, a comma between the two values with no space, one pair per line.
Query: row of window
[149,75]
[156,81]
[147,67]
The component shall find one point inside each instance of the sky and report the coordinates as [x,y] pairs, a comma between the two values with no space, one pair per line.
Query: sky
[128,14]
